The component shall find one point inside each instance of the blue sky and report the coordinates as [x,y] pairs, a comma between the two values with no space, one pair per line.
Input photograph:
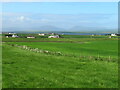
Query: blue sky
[61,7]
[60,14]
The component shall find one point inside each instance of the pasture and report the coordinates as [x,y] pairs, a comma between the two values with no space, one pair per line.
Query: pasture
[83,63]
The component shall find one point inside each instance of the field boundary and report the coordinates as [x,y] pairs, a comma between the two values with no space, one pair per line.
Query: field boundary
[36,50]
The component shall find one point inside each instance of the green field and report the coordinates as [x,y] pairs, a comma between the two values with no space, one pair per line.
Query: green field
[82,63]
[93,48]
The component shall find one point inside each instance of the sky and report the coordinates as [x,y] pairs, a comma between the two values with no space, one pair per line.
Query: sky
[64,15]
[60,0]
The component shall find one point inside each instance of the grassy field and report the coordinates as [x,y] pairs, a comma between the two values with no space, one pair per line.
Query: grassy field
[91,48]
[83,63]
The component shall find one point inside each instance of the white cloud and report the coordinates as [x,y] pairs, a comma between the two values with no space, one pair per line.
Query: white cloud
[64,21]
[22,18]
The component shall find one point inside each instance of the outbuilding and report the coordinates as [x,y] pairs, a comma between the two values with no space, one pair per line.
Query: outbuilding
[30,37]
[113,34]
[55,36]
[41,34]
[10,35]
[7,36]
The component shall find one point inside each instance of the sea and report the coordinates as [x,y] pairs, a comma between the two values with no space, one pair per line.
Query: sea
[71,33]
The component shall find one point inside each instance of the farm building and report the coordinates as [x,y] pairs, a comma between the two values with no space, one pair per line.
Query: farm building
[41,34]
[9,35]
[118,34]
[14,35]
[55,36]
[30,37]
[113,34]
[92,35]
[52,34]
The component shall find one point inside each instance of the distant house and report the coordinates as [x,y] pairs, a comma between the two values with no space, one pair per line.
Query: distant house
[113,34]
[41,34]
[55,36]
[7,36]
[52,34]
[10,35]
[14,35]
[93,35]
[110,37]
[30,37]
[118,34]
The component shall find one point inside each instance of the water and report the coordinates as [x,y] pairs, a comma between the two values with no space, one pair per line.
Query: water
[67,33]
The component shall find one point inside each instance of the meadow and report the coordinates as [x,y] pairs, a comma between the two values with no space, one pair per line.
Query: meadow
[69,62]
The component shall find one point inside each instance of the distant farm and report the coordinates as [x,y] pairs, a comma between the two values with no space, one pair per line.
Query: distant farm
[51,60]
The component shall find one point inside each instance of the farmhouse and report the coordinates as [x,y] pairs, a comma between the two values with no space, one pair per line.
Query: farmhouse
[55,36]
[9,35]
[14,35]
[113,34]
[41,34]
[30,37]
[52,34]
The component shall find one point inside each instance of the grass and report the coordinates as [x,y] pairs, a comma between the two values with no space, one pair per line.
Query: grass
[92,48]
[65,38]
[73,69]
[23,69]
[84,36]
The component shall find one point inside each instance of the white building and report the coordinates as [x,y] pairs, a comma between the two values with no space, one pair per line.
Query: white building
[55,36]
[93,35]
[113,34]
[41,34]
[14,35]
[11,33]
[30,37]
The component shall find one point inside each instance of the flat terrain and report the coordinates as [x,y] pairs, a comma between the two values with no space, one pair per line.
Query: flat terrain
[60,63]
[103,48]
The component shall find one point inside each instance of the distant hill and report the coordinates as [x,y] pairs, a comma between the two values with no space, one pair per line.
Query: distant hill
[49,28]
[41,28]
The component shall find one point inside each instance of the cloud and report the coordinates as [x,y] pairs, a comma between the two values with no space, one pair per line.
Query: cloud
[59,20]
[22,18]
